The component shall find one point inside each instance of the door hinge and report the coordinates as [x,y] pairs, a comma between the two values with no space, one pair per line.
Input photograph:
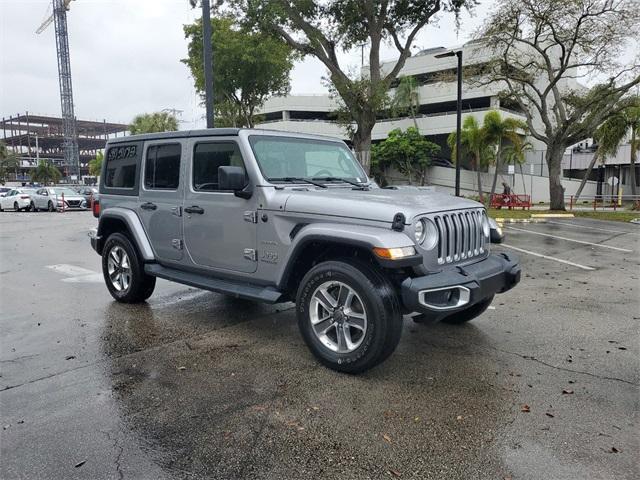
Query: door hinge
[177,243]
[251,216]
[251,254]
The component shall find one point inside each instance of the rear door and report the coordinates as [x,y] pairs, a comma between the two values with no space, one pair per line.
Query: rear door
[160,197]
[219,227]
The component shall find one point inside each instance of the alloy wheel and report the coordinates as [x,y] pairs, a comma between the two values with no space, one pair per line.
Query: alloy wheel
[338,317]
[119,268]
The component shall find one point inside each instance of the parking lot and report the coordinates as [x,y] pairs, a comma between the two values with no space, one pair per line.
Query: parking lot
[545,384]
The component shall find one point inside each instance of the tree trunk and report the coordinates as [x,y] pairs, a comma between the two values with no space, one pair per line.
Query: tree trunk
[477,162]
[362,146]
[632,163]
[554,156]
[583,182]
[495,175]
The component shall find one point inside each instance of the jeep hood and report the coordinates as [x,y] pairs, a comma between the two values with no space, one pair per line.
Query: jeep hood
[376,204]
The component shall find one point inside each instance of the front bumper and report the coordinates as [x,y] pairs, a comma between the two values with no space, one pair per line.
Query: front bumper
[457,288]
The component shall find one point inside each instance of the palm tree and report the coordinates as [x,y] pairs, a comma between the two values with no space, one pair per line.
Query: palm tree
[516,154]
[407,97]
[612,133]
[46,173]
[473,138]
[498,130]
[153,122]
[8,162]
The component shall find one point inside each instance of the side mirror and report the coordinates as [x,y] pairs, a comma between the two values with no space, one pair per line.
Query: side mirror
[231,178]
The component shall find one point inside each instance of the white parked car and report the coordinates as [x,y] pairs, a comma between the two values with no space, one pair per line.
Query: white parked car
[17,199]
[51,199]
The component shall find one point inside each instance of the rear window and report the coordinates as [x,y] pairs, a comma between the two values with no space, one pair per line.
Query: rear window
[122,166]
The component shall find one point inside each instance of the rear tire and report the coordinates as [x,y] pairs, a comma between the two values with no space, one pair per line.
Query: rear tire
[16,207]
[33,207]
[470,313]
[50,206]
[123,271]
[358,325]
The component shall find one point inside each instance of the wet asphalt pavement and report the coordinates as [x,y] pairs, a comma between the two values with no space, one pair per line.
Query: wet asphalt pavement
[194,384]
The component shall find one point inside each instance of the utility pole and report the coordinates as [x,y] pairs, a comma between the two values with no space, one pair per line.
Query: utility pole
[207,53]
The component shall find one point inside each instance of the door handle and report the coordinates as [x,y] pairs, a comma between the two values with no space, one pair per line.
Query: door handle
[194,209]
[148,206]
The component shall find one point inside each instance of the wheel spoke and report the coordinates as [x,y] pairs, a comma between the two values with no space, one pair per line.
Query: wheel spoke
[114,255]
[125,260]
[342,339]
[323,326]
[348,300]
[315,321]
[326,300]
[343,294]
[357,323]
[346,331]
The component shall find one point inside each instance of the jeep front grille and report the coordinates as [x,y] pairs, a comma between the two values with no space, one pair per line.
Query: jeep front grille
[459,235]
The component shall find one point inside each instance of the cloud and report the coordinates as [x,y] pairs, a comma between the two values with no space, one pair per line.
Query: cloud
[125,59]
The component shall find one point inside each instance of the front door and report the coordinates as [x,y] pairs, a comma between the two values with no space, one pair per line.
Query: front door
[219,228]
[160,200]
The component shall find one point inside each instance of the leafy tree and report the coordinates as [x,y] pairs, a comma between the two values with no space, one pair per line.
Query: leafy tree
[46,173]
[497,131]
[614,131]
[95,165]
[516,154]
[249,67]
[323,28]
[8,162]
[153,122]
[542,47]
[475,143]
[406,98]
[407,151]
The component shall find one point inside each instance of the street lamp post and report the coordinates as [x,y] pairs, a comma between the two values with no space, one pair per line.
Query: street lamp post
[207,53]
[458,113]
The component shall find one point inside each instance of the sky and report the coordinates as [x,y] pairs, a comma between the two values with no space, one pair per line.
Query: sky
[125,58]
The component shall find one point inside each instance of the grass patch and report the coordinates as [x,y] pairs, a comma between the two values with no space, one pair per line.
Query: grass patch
[613,216]
[597,215]
[506,213]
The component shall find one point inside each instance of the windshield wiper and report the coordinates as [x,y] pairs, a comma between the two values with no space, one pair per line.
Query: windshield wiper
[345,180]
[299,180]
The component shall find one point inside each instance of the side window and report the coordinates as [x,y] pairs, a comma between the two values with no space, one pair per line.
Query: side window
[207,158]
[162,167]
[121,167]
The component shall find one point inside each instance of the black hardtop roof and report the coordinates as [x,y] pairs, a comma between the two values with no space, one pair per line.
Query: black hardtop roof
[207,132]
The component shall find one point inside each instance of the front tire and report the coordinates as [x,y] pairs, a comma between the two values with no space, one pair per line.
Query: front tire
[123,271]
[33,207]
[349,315]
[470,313]
[50,206]
[16,207]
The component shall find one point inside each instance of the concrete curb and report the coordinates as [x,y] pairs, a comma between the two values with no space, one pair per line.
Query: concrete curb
[520,220]
[552,215]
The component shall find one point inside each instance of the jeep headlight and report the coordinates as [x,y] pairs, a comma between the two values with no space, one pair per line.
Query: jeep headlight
[426,233]
[486,228]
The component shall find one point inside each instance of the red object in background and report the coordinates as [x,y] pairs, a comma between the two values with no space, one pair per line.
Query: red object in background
[499,200]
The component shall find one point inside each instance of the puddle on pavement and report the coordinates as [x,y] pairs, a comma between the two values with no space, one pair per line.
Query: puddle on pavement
[243,398]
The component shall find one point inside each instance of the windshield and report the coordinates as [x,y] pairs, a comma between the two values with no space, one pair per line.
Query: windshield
[282,158]
[66,191]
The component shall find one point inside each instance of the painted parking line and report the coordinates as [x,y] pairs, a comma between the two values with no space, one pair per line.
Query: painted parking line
[572,240]
[76,274]
[592,228]
[547,257]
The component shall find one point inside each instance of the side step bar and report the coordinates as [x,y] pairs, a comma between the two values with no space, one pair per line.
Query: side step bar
[230,287]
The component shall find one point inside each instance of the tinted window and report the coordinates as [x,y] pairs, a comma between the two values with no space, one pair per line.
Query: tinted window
[162,168]
[122,167]
[207,158]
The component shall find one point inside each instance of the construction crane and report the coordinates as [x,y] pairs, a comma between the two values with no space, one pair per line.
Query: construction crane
[70,137]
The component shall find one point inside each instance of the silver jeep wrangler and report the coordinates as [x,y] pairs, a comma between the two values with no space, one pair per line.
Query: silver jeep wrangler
[275,217]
